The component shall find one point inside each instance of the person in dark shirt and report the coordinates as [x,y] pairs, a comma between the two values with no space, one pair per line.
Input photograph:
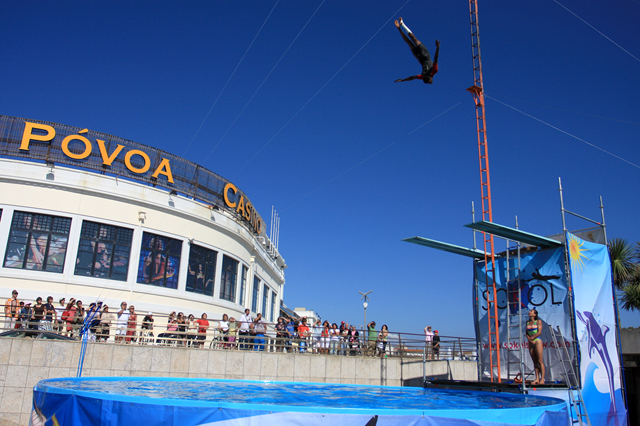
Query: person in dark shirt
[49,315]
[429,67]
[38,314]
[436,345]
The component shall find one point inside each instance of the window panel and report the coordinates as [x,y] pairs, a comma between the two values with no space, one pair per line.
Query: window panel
[273,305]
[159,261]
[37,242]
[256,291]
[265,297]
[202,270]
[243,284]
[99,256]
[228,279]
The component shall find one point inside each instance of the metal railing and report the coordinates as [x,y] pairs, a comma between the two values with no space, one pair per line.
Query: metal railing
[397,344]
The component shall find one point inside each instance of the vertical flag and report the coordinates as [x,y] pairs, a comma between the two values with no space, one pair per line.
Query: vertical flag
[596,330]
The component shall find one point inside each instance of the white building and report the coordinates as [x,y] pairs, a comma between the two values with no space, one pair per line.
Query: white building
[96,217]
[311,316]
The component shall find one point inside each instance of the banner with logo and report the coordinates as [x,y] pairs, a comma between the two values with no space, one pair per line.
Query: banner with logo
[543,287]
[596,330]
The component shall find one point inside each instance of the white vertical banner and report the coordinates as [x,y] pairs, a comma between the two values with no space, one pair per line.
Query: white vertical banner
[596,330]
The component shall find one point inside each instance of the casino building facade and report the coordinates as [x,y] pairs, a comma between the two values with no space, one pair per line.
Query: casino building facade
[96,217]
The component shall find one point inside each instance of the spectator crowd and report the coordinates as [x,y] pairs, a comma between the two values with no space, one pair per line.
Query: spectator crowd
[100,323]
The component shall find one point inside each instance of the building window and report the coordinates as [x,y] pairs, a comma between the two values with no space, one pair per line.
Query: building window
[256,291]
[243,284]
[265,298]
[228,279]
[104,251]
[159,260]
[273,305]
[202,270]
[37,242]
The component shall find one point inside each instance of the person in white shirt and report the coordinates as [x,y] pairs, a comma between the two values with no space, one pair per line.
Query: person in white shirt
[243,332]
[121,325]
[260,329]
[428,338]
[223,329]
[59,311]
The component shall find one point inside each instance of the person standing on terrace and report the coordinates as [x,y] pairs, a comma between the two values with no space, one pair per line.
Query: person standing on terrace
[372,336]
[202,329]
[11,311]
[243,332]
[428,339]
[260,329]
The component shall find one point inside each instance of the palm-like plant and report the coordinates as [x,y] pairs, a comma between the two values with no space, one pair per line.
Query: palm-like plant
[626,272]
[630,296]
[622,266]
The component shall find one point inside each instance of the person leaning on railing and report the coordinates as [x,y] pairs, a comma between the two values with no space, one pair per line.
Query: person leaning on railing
[60,325]
[233,331]
[353,339]
[170,335]
[244,332]
[281,334]
[78,319]
[46,324]
[372,336]
[291,334]
[203,326]
[344,337]
[304,333]
[260,329]
[317,336]
[192,330]
[11,311]
[146,330]
[38,314]
[106,318]
[25,315]
[223,330]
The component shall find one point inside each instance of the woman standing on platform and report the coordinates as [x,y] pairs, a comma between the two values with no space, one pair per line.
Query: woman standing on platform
[534,330]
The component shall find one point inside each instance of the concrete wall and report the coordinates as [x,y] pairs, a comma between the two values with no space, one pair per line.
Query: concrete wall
[24,362]
[630,341]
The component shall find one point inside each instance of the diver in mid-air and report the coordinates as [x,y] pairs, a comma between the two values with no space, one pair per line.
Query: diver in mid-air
[429,67]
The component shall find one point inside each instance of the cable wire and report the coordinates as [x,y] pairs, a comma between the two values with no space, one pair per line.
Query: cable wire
[571,111]
[230,77]
[320,90]
[263,81]
[597,30]
[371,156]
[565,132]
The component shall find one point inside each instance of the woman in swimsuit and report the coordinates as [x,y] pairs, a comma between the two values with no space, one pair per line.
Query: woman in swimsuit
[534,330]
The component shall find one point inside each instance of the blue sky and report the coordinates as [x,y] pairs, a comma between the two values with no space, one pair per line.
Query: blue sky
[295,103]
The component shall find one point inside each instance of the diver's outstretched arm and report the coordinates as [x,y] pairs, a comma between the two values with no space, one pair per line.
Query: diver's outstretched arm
[413,77]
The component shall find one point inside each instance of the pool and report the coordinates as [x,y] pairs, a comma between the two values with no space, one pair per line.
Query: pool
[151,401]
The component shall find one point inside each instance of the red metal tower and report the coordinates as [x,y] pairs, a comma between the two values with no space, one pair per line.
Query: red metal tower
[477,92]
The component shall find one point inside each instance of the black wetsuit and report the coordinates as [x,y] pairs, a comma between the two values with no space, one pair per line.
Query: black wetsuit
[422,55]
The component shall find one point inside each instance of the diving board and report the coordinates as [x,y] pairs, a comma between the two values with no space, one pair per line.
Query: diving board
[475,253]
[514,234]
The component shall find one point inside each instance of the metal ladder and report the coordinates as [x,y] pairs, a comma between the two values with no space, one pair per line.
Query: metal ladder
[575,393]
[515,364]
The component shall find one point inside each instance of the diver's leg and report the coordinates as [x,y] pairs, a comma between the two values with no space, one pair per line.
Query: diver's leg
[399,25]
